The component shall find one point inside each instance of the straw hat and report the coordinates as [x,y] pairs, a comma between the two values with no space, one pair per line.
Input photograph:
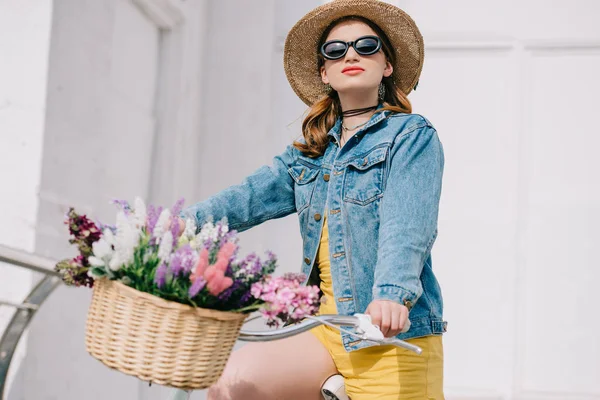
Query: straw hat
[302,42]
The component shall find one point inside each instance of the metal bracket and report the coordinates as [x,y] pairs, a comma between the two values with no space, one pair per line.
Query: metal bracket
[26,310]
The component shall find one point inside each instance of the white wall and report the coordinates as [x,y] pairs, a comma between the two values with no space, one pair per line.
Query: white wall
[509,85]
[24,40]
[512,89]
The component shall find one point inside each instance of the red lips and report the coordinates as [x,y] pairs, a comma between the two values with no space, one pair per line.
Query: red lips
[352,69]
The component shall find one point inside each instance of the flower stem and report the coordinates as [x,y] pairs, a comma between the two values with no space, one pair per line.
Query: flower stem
[251,307]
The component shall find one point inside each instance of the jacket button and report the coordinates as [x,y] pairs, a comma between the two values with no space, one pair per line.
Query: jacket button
[307,260]
[317,217]
[326,177]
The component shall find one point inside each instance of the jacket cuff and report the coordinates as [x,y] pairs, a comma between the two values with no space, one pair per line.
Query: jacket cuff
[397,294]
[190,213]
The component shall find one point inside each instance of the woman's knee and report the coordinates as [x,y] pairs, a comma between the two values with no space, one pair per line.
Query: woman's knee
[228,389]
[238,380]
[292,368]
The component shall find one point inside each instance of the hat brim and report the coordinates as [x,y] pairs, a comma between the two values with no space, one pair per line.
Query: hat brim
[301,45]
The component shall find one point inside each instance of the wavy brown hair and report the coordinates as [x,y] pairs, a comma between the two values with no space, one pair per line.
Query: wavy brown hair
[324,112]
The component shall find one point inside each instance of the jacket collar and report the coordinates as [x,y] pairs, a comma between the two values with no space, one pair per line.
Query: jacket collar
[375,118]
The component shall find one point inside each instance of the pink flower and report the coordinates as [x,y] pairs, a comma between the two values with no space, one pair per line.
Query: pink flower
[286,299]
[214,275]
[218,283]
[200,266]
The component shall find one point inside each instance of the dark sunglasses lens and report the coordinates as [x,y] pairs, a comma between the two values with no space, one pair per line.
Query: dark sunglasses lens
[334,50]
[367,46]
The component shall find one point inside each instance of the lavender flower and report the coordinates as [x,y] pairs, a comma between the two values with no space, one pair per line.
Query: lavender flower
[249,269]
[243,301]
[196,287]
[183,260]
[152,218]
[226,294]
[160,277]
[175,231]
[123,205]
[177,207]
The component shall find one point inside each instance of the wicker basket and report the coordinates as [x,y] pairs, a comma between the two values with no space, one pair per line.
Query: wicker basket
[157,340]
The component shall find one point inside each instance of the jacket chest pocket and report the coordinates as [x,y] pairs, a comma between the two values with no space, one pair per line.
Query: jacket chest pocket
[304,184]
[365,177]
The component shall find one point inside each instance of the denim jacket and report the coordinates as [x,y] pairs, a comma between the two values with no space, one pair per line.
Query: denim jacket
[381,191]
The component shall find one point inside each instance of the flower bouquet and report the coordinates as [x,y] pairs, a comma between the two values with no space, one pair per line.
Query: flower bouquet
[169,301]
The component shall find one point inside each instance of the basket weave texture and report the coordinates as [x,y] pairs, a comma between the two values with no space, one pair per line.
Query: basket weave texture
[157,340]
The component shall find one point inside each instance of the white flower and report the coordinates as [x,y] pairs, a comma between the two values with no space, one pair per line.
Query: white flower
[162,225]
[190,229]
[115,263]
[139,212]
[108,236]
[96,262]
[125,242]
[208,231]
[166,246]
[102,249]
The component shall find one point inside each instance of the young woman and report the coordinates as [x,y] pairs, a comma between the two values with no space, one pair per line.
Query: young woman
[365,181]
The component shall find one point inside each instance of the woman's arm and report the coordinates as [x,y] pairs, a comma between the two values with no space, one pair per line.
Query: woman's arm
[409,214]
[267,193]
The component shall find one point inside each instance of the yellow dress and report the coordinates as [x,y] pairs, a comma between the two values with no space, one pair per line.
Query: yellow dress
[379,372]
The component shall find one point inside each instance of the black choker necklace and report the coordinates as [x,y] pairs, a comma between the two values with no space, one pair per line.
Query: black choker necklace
[358,111]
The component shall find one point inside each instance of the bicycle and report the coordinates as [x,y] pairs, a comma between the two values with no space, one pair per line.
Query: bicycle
[333,388]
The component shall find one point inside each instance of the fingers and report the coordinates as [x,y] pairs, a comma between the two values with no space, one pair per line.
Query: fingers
[386,318]
[374,310]
[395,325]
[403,318]
[390,317]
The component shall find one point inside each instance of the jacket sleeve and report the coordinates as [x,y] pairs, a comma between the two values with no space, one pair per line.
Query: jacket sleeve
[267,193]
[408,215]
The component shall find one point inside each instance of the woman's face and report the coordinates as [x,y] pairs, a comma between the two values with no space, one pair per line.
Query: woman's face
[354,73]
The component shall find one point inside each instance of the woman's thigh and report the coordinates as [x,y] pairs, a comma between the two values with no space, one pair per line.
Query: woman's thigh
[292,368]
[391,373]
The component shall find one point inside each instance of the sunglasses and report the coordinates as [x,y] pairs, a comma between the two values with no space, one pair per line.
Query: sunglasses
[364,45]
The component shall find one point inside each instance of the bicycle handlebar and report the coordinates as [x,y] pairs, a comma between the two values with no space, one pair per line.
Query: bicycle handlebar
[360,321]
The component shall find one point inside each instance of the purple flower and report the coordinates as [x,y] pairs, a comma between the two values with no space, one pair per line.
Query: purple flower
[251,269]
[230,236]
[175,230]
[183,260]
[153,214]
[244,299]
[177,207]
[226,294]
[123,205]
[196,287]
[160,277]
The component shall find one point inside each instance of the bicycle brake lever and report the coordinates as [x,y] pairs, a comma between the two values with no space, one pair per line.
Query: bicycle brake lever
[366,327]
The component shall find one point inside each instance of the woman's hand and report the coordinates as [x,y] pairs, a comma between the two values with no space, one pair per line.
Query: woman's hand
[388,315]
[181,223]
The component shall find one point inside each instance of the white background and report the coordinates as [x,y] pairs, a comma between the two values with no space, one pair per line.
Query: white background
[168,98]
